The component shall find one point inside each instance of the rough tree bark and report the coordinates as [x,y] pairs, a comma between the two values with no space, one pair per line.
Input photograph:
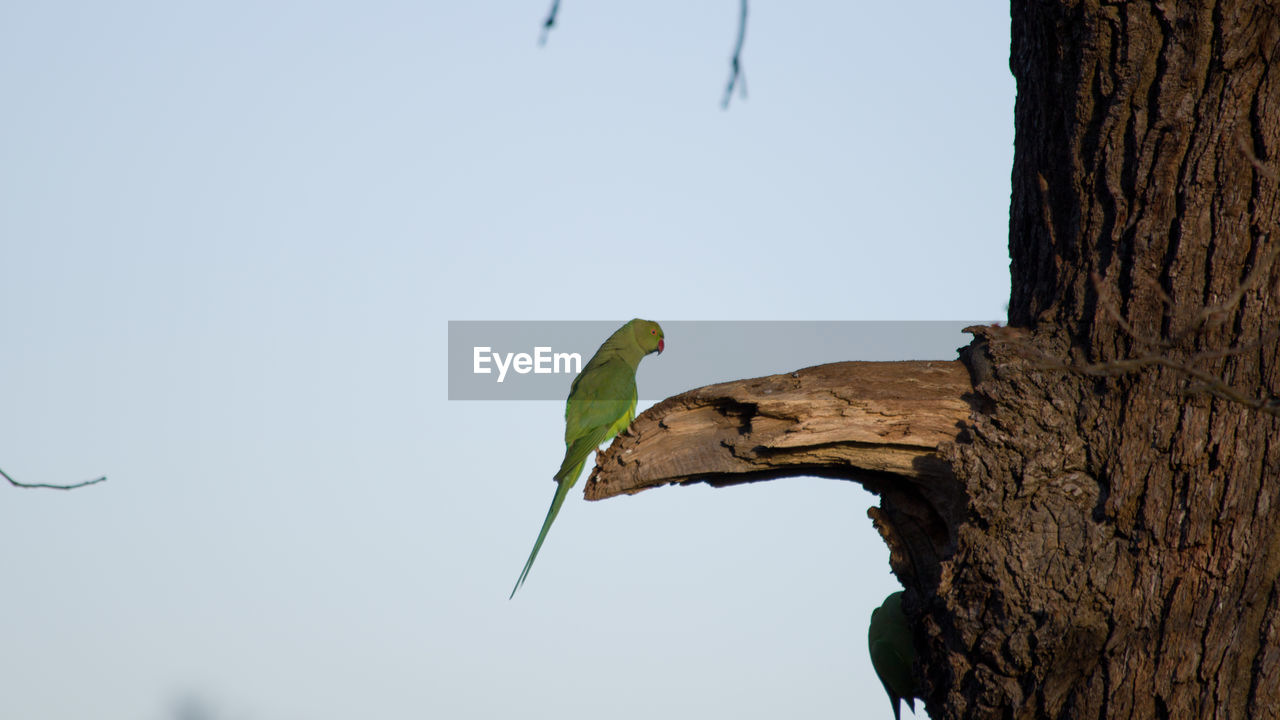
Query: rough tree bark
[1097,544]
[1122,555]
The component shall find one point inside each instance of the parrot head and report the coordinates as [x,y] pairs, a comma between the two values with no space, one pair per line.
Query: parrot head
[649,335]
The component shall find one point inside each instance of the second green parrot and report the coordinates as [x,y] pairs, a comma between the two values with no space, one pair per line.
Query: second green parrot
[601,404]
[892,652]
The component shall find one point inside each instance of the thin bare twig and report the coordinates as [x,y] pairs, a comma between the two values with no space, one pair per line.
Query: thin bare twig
[1159,290]
[1262,168]
[1209,383]
[1168,342]
[549,23]
[1259,271]
[736,78]
[15,483]
[1269,337]
[1108,303]
[1044,208]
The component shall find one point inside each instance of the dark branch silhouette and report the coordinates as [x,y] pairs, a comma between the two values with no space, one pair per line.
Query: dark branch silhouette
[550,22]
[736,78]
[73,486]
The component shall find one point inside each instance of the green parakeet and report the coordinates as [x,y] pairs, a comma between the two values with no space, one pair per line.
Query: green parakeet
[602,403]
[892,652]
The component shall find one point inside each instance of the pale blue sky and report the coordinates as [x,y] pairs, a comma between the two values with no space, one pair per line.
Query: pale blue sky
[232,234]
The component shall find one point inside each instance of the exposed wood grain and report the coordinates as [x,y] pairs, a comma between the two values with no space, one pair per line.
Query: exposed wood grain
[848,420]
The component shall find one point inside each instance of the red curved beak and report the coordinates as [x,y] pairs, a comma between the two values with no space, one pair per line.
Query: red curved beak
[661,344]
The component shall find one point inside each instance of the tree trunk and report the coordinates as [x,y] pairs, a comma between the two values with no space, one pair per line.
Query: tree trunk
[1122,553]
[1116,551]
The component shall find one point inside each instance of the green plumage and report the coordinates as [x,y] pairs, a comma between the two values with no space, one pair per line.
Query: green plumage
[601,404]
[892,652]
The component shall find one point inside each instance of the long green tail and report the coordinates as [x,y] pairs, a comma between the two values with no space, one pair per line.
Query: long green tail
[561,493]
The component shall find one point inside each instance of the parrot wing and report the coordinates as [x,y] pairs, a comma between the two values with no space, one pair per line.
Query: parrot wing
[602,403]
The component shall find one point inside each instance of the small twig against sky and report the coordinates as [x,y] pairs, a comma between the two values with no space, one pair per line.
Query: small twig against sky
[736,78]
[550,22]
[73,486]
